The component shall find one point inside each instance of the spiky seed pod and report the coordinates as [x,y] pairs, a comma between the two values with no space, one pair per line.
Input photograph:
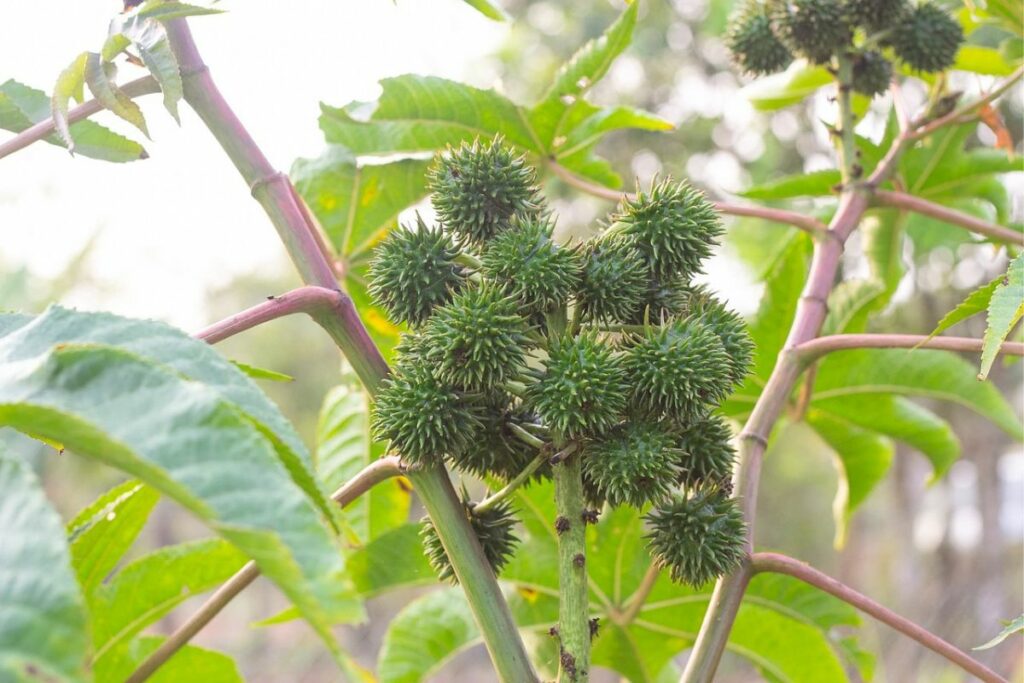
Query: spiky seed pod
[815,29]
[479,187]
[583,389]
[614,281]
[494,450]
[478,340]
[494,527]
[664,299]
[707,452]
[530,266]
[679,369]
[698,536]
[634,464]
[754,47]
[413,271]
[729,326]
[421,416]
[927,38]
[872,73]
[674,226]
[876,15]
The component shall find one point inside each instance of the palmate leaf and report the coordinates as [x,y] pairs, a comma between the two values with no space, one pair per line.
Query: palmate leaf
[973,304]
[783,629]
[22,106]
[344,447]
[43,625]
[108,388]
[1005,309]
[103,532]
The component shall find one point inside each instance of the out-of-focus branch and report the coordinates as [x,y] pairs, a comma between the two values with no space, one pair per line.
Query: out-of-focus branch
[782,564]
[908,202]
[959,114]
[810,351]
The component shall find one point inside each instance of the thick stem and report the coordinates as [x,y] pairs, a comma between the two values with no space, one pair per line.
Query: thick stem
[368,477]
[276,195]
[908,202]
[781,564]
[142,86]
[573,611]
[311,300]
[797,220]
[810,351]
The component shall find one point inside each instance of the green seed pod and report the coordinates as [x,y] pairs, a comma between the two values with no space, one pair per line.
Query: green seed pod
[493,527]
[478,340]
[530,266]
[634,464]
[754,47]
[698,536]
[872,73]
[707,452]
[730,328]
[583,389]
[478,188]
[679,370]
[494,450]
[815,29]
[665,298]
[674,226]
[876,15]
[421,416]
[414,271]
[614,281]
[927,39]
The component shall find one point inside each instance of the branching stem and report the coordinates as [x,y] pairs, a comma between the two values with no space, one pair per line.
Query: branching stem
[908,202]
[813,349]
[506,491]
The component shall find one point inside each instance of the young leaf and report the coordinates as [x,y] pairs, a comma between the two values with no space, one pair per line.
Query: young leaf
[103,532]
[70,83]
[262,373]
[816,184]
[151,586]
[986,61]
[98,78]
[790,87]
[976,302]
[43,630]
[22,106]
[190,663]
[488,9]
[165,10]
[150,39]
[345,446]
[1005,309]
[1015,626]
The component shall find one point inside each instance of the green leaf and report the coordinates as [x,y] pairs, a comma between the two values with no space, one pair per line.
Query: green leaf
[70,83]
[150,38]
[790,87]
[151,586]
[103,532]
[849,305]
[113,405]
[43,630]
[180,352]
[22,106]
[190,663]
[344,447]
[98,78]
[426,113]
[165,10]
[816,184]
[1015,626]
[488,9]
[115,44]
[597,121]
[982,60]
[901,419]
[976,302]
[262,373]
[923,372]
[574,78]
[1005,309]
[882,238]
[862,457]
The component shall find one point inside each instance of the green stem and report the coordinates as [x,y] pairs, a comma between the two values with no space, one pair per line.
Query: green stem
[275,193]
[520,479]
[468,260]
[849,166]
[573,611]
[526,437]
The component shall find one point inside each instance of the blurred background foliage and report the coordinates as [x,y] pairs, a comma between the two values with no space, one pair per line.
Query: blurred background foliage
[947,555]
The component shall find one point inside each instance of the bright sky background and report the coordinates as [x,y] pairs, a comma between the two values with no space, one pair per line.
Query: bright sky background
[181,222]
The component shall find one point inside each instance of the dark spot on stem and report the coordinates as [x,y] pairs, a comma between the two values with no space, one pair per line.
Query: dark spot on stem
[562,525]
[595,626]
[579,560]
